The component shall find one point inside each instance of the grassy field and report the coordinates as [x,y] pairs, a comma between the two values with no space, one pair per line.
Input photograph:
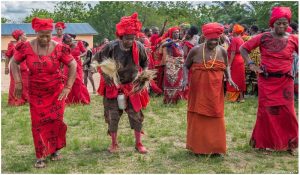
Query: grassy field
[165,132]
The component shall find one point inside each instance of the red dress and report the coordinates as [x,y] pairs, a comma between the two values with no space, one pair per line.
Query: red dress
[57,39]
[173,75]
[79,92]
[276,125]
[237,69]
[12,100]
[45,85]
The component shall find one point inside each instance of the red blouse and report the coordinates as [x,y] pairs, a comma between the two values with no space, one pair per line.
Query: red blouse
[43,69]
[276,53]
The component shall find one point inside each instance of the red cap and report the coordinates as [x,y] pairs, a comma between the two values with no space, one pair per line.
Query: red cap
[238,29]
[212,30]
[17,33]
[280,12]
[60,24]
[39,24]
[128,25]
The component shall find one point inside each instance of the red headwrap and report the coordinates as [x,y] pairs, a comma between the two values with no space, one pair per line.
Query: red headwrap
[140,35]
[280,12]
[238,29]
[39,24]
[17,33]
[171,30]
[289,29]
[60,24]
[212,30]
[128,25]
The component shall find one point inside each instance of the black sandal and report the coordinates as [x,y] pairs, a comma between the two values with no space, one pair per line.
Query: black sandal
[56,156]
[40,163]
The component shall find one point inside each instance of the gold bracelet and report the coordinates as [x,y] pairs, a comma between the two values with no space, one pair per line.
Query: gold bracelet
[18,82]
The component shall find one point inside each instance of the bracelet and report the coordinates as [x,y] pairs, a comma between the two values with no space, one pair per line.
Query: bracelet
[18,82]
[67,87]
[251,62]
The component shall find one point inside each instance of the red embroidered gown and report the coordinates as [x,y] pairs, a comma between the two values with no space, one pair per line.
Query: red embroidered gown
[276,125]
[173,74]
[45,85]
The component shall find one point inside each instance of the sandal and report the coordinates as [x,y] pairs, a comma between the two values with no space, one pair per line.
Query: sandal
[56,156]
[40,163]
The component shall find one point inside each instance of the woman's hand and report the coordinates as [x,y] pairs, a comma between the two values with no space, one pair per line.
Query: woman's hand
[255,68]
[18,90]
[64,94]
[6,71]
[231,83]
[184,84]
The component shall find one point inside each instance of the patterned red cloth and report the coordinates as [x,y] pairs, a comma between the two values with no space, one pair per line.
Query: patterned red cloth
[280,12]
[60,24]
[276,125]
[212,30]
[17,33]
[128,25]
[170,32]
[79,92]
[45,85]
[39,24]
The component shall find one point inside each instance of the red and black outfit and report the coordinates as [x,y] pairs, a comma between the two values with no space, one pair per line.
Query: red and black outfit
[276,125]
[45,85]
[132,61]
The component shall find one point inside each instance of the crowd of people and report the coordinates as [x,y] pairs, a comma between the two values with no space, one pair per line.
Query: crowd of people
[224,60]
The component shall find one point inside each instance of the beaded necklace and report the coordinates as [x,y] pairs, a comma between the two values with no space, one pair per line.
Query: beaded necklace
[214,60]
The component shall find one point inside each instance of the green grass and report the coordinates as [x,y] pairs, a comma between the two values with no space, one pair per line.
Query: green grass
[165,132]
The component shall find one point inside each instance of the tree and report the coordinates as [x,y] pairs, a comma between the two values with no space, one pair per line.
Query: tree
[71,11]
[4,20]
[40,13]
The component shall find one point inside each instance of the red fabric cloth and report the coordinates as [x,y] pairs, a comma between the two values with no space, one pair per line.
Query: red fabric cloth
[170,32]
[237,66]
[79,92]
[238,29]
[17,33]
[12,100]
[280,12]
[45,85]
[39,24]
[173,74]
[57,39]
[276,54]
[128,25]
[212,30]
[153,38]
[60,25]
[289,30]
[138,100]
[206,131]
[276,125]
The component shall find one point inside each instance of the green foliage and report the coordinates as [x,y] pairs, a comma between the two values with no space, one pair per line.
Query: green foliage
[106,14]
[71,12]
[4,20]
[40,13]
